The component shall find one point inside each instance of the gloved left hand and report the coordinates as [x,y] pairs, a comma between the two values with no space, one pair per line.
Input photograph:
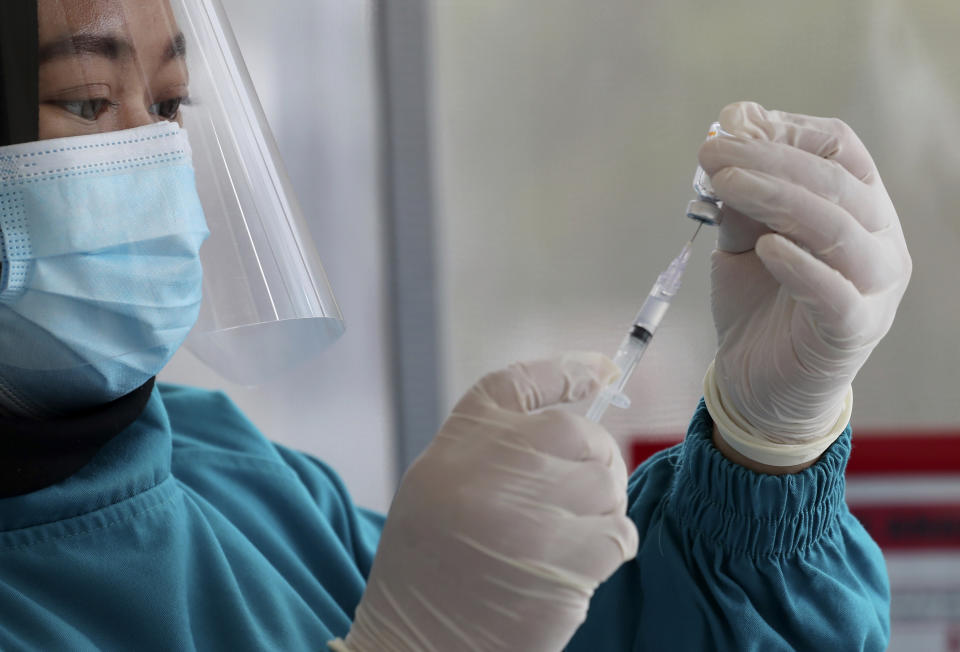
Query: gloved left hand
[810,267]
[506,524]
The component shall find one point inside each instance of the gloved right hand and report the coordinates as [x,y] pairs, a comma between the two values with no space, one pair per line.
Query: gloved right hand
[503,528]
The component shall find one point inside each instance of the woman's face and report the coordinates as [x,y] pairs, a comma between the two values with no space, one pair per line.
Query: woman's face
[106,65]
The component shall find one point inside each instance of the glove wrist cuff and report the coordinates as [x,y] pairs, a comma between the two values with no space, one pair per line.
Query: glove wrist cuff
[752,443]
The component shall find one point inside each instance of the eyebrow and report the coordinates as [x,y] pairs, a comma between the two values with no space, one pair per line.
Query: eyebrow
[104,45]
[176,48]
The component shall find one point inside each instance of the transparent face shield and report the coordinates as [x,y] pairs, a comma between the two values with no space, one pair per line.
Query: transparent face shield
[129,129]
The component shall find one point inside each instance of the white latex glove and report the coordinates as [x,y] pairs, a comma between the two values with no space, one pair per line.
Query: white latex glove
[503,528]
[809,269]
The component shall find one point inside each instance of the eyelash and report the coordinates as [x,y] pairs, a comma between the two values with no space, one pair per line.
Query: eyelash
[80,108]
[171,112]
[92,109]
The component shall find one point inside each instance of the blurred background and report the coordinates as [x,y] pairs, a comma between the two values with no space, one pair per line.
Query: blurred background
[491,180]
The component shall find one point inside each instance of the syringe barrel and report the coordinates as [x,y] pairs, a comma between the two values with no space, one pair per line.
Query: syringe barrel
[651,312]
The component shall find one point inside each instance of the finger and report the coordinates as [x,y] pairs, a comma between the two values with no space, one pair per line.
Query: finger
[596,546]
[819,225]
[833,301]
[738,232]
[530,386]
[558,433]
[572,488]
[569,436]
[750,120]
[821,176]
[825,137]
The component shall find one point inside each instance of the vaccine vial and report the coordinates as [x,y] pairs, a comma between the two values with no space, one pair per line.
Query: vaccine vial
[706,207]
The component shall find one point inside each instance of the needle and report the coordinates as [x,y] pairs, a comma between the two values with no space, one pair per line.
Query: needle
[699,226]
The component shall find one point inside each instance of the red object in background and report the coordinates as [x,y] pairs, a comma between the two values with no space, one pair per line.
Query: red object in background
[912,526]
[953,639]
[899,456]
[904,452]
[643,447]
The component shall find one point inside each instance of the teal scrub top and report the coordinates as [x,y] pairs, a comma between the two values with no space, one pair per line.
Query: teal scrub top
[191,531]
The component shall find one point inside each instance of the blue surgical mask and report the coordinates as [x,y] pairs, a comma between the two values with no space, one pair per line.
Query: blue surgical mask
[100,279]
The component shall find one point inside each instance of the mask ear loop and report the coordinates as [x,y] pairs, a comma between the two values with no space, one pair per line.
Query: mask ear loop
[19,72]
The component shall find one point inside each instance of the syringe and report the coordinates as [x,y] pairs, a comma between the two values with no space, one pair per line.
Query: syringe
[705,209]
[644,326]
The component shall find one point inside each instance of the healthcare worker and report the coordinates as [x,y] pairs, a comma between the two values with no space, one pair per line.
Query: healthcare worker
[138,516]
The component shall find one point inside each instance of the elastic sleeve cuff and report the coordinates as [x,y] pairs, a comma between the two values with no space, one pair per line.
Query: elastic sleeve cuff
[753,513]
[754,444]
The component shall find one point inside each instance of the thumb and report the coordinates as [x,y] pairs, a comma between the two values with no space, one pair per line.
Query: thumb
[530,386]
[738,233]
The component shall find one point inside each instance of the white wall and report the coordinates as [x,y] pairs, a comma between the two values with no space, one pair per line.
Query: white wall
[567,134]
[313,64]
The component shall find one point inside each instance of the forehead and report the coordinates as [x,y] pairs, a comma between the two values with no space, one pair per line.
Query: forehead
[144,22]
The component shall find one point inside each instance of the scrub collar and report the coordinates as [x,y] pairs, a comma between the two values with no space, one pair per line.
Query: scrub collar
[38,454]
[129,475]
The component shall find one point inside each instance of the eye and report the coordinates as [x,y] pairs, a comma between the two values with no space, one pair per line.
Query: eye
[168,109]
[86,109]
